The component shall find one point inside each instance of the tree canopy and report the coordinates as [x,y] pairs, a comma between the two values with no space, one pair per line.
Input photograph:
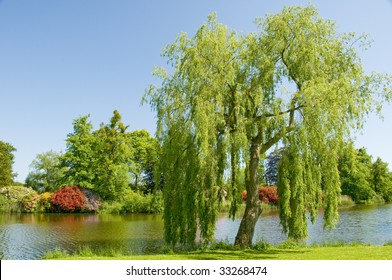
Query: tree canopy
[382,179]
[110,160]
[229,98]
[98,160]
[355,167]
[144,158]
[362,179]
[46,173]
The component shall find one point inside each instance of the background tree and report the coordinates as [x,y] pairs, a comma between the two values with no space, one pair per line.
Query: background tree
[223,107]
[144,158]
[6,162]
[363,179]
[46,174]
[355,171]
[381,179]
[79,157]
[112,151]
[97,160]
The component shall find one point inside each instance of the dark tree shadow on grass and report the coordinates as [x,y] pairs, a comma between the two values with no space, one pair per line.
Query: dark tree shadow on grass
[241,254]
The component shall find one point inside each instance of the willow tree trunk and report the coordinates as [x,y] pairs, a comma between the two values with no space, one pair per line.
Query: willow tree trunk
[253,210]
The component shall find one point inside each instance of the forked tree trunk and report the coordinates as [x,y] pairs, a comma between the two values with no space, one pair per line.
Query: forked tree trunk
[253,210]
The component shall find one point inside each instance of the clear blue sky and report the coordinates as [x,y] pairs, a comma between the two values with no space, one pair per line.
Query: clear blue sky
[63,59]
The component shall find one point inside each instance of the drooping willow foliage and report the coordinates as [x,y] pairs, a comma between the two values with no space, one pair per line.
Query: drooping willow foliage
[228,98]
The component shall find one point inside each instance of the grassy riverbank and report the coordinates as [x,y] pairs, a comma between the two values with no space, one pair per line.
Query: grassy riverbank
[326,252]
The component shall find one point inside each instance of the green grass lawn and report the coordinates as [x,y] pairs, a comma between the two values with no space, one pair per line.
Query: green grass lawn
[345,252]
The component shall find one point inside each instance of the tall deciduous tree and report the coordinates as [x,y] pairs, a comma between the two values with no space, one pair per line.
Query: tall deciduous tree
[355,170]
[144,158]
[112,152]
[46,172]
[381,180]
[224,105]
[98,160]
[79,157]
[6,162]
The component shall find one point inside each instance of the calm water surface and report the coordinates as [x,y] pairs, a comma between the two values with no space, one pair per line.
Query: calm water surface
[30,236]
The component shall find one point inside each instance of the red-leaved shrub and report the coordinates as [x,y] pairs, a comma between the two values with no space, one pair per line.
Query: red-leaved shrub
[68,199]
[267,194]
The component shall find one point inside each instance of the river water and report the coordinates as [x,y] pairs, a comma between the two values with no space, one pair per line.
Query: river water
[30,236]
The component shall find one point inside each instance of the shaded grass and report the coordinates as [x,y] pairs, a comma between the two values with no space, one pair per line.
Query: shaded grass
[321,252]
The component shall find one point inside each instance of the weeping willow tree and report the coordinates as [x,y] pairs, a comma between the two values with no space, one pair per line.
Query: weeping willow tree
[228,98]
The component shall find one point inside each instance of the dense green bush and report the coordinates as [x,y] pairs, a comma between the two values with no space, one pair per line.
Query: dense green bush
[112,207]
[136,203]
[133,202]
